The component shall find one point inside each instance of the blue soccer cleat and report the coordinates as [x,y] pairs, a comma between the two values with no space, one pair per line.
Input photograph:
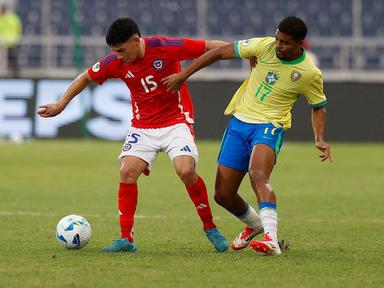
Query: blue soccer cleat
[120,245]
[218,241]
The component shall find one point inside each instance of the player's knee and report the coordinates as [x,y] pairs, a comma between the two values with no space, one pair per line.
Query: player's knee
[218,199]
[258,177]
[187,174]
[222,199]
[128,175]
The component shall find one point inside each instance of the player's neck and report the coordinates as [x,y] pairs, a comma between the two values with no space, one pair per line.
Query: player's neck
[296,55]
[142,48]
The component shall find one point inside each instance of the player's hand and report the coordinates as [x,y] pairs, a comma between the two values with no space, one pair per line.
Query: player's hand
[325,149]
[252,62]
[50,110]
[173,82]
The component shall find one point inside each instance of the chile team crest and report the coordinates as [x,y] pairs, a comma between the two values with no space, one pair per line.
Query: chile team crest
[157,64]
[271,78]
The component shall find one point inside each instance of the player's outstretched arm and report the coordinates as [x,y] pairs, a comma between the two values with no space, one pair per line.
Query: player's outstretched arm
[77,85]
[212,44]
[318,125]
[175,81]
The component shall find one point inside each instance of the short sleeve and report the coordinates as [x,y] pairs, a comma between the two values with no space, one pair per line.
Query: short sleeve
[104,69]
[247,48]
[314,92]
[192,48]
[179,48]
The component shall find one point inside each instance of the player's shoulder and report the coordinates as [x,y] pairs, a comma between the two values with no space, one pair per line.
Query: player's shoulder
[162,41]
[266,48]
[110,61]
[311,73]
[258,46]
[267,41]
[311,67]
[256,41]
[110,58]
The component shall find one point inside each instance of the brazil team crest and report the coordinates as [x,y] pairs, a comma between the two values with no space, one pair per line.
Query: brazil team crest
[157,64]
[271,78]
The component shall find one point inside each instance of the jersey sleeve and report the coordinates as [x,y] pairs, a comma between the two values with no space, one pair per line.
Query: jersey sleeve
[104,69]
[180,48]
[247,48]
[314,92]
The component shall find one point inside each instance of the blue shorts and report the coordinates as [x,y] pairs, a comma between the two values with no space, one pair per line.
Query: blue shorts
[239,139]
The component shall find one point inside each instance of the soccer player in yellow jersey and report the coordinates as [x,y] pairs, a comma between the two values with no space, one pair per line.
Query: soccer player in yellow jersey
[261,114]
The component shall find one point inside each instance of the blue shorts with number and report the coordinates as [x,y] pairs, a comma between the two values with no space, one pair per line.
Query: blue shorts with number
[240,138]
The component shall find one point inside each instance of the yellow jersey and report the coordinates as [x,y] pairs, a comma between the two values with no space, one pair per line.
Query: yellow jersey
[273,86]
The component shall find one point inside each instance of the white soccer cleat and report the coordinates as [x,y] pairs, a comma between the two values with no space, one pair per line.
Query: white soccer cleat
[266,246]
[242,240]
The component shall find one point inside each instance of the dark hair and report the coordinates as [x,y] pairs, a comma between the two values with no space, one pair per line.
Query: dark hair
[294,27]
[121,30]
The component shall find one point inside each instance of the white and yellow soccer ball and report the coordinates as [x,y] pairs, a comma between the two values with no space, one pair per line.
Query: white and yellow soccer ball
[73,232]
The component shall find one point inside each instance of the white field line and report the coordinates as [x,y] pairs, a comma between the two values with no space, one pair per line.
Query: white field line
[41,214]
[139,216]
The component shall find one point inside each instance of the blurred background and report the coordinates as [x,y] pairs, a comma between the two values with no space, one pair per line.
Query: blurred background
[58,39]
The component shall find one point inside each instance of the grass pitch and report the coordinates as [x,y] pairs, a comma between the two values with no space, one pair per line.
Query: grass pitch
[332,214]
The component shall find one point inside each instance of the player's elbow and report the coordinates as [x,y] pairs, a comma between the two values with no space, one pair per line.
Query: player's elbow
[319,113]
[225,52]
[319,109]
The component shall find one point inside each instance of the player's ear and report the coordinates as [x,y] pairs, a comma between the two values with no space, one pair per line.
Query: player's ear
[136,39]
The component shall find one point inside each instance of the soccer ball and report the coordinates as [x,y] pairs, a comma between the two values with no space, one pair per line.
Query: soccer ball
[73,232]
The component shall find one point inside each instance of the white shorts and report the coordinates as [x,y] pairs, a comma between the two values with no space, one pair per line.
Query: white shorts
[146,143]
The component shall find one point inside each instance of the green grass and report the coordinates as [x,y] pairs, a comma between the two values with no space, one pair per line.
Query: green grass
[330,212]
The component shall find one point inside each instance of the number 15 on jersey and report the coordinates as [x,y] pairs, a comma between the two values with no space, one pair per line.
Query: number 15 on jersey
[148,84]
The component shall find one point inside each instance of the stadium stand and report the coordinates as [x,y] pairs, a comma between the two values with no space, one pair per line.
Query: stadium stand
[344,34]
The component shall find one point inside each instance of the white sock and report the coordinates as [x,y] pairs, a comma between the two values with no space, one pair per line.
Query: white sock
[251,218]
[269,219]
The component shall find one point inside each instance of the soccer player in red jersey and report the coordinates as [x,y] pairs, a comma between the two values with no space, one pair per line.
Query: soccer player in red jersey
[162,121]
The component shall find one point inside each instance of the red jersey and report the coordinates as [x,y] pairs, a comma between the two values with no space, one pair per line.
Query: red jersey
[152,105]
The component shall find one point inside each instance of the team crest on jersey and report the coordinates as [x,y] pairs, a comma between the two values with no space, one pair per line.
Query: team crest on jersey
[96,67]
[158,64]
[295,75]
[271,78]
[127,147]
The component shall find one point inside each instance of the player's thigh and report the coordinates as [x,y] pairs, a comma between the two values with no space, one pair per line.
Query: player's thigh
[227,181]
[269,135]
[266,144]
[184,164]
[262,161]
[179,141]
[234,151]
[141,143]
[131,167]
